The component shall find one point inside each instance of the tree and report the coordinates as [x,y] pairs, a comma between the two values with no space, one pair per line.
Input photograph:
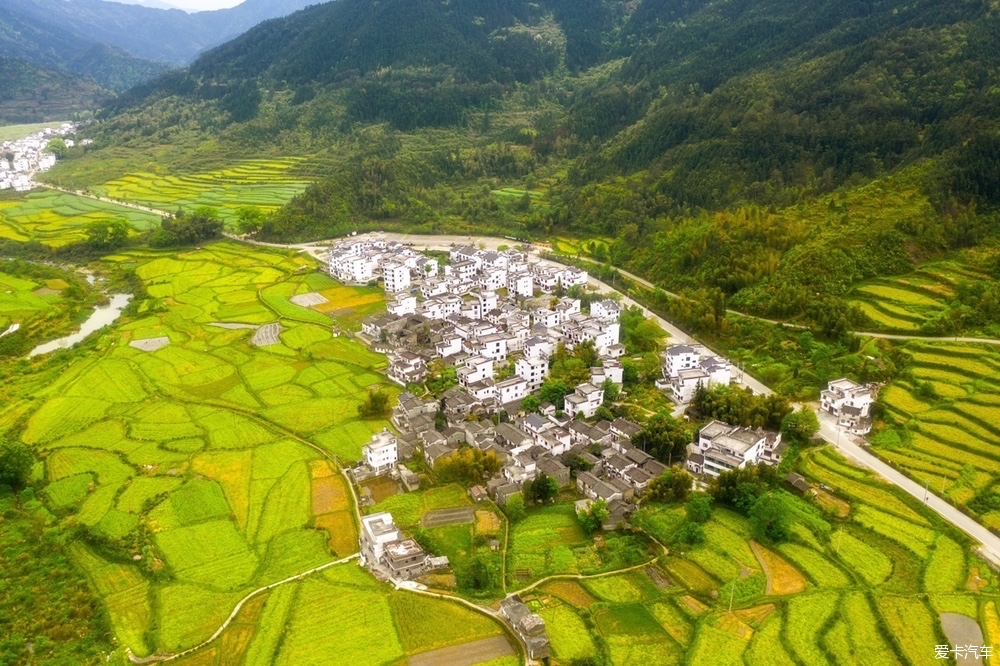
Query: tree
[674,485]
[531,404]
[739,488]
[690,533]
[249,219]
[587,353]
[800,426]
[467,466]
[611,392]
[770,518]
[15,464]
[376,405]
[514,508]
[593,518]
[542,489]
[482,572]
[699,507]
[664,438]
[554,392]
[107,234]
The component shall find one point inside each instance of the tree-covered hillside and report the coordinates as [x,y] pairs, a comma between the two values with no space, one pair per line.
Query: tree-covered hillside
[767,154]
[29,93]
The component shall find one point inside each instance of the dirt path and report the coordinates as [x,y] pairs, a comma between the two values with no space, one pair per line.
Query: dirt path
[769,590]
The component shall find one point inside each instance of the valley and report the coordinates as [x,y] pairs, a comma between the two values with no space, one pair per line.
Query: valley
[584,333]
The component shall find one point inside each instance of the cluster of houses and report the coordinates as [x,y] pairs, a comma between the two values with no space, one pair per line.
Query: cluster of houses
[20,158]
[492,316]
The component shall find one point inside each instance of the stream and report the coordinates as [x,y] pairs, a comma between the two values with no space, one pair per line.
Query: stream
[102,316]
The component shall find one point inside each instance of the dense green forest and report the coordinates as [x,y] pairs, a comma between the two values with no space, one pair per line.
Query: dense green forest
[766,155]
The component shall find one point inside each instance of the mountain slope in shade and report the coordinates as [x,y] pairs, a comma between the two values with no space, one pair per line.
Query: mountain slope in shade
[172,36]
[29,93]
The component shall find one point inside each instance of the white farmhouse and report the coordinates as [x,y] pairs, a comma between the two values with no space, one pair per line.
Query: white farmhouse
[382,452]
[722,447]
[584,401]
[851,403]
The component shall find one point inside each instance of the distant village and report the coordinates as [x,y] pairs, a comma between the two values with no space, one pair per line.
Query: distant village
[497,317]
[22,158]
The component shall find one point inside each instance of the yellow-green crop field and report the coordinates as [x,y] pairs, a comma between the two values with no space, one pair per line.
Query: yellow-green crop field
[342,616]
[947,423]
[199,458]
[57,219]
[903,303]
[265,184]
[865,589]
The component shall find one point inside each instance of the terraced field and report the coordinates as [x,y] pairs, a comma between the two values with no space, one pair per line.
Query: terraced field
[947,418]
[198,470]
[862,590]
[265,184]
[57,219]
[903,303]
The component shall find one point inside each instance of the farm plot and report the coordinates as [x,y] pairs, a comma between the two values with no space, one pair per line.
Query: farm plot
[264,184]
[543,543]
[946,431]
[57,219]
[175,454]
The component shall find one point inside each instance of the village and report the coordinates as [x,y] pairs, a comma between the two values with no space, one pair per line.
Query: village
[496,318]
[22,158]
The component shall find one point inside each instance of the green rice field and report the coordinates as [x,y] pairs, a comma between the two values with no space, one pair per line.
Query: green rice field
[193,463]
[265,184]
[57,219]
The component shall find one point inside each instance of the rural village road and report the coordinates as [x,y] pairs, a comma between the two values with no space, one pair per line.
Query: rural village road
[990,543]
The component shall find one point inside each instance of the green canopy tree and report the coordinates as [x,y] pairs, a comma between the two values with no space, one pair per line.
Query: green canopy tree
[15,464]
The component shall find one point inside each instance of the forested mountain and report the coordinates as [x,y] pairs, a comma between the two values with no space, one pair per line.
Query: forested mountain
[738,148]
[52,47]
[171,36]
[29,93]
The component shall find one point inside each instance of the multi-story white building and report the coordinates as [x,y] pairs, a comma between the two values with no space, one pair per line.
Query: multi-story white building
[520,284]
[382,452]
[405,304]
[686,367]
[476,369]
[605,310]
[851,403]
[532,370]
[512,390]
[584,401]
[396,276]
[722,447]
[572,277]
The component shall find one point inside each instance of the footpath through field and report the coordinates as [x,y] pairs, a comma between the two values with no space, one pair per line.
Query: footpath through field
[116,202]
[990,543]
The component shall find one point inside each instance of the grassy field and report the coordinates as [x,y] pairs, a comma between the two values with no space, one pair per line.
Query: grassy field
[943,426]
[204,459]
[265,184]
[57,219]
